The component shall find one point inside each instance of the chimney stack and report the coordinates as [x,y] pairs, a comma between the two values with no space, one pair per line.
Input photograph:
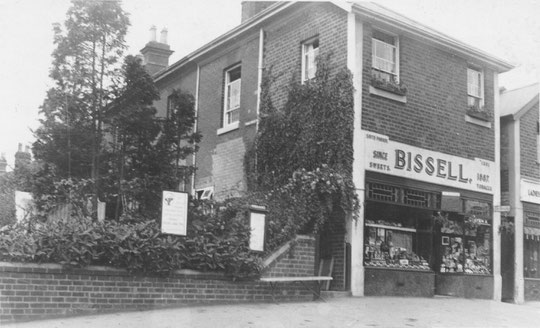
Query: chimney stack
[252,8]
[156,54]
[153,30]
[163,36]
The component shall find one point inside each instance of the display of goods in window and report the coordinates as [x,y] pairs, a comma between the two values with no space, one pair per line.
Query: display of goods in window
[390,245]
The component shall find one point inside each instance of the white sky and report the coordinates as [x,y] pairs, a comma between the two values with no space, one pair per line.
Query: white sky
[509,29]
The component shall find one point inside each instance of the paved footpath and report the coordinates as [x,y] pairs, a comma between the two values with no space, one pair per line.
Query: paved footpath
[339,312]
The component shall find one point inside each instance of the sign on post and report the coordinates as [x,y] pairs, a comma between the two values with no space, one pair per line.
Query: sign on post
[257,223]
[174,209]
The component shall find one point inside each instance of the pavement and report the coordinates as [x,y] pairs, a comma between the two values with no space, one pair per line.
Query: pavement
[336,312]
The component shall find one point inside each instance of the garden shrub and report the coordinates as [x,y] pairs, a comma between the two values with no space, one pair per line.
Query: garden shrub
[216,241]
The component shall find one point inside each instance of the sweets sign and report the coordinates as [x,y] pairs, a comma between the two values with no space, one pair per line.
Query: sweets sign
[394,158]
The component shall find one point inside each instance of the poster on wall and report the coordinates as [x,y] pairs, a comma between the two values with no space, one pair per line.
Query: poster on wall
[257,223]
[174,209]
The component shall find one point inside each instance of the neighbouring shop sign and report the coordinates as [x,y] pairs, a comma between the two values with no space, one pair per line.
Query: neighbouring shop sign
[530,191]
[174,210]
[398,159]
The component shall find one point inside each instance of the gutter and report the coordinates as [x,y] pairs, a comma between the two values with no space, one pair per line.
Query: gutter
[251,23]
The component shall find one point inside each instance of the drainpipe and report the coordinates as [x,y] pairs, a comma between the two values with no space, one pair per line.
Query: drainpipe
[260,73]
[196,125]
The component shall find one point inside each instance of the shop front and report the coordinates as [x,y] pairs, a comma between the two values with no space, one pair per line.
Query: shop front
[530,197]
[427,222]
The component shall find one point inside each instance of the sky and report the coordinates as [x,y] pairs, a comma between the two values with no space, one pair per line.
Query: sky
[508,29]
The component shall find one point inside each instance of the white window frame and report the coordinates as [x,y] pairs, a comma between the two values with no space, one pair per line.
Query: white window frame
[207,193]
[479,94]
[227,110]
[375,59]
[309,58]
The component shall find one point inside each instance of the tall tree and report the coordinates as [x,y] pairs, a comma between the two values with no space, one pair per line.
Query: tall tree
[146,150]
[87,57]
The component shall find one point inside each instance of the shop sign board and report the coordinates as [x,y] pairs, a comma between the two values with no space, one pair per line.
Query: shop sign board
[530,191]
[174,210]
[389,157]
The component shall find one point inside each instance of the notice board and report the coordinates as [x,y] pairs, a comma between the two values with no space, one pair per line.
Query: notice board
[174,209]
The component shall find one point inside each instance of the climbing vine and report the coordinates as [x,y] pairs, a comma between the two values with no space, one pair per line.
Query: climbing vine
[303,151]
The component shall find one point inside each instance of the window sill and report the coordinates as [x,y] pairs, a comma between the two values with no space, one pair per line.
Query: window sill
[228,128]
[387,94]
[473,120]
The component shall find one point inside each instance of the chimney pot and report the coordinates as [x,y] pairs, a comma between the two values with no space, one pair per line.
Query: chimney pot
[163,36]
[153,33]
[20,147]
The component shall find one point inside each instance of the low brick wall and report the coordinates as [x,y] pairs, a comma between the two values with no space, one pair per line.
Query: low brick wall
[35,291]
[296,259]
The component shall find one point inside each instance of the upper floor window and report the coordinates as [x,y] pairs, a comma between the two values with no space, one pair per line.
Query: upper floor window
[475,88]
[231,107]
[385,56]
[310,52]
[170,106]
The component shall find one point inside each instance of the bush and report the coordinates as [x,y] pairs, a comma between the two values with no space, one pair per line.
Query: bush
[216,241]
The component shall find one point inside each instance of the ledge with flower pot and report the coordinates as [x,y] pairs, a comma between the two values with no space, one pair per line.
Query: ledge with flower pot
[478,116]
[388,89]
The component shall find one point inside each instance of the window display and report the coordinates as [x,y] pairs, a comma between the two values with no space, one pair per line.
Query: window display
[391,244]
[465,243]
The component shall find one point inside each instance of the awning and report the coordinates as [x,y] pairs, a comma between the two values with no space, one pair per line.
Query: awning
[531,233]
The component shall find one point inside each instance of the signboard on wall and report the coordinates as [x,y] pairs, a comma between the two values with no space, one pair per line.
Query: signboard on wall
[530,191]
[174,209]
[389,157]
[257,223]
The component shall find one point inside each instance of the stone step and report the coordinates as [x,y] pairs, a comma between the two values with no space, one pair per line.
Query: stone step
[335,294]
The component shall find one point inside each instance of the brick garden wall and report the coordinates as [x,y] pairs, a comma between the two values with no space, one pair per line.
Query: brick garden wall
[35,291]
[295,259]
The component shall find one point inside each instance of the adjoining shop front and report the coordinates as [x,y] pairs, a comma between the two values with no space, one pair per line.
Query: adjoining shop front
[428,222]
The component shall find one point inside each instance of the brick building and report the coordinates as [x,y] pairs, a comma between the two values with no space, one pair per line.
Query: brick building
[426,157]
[520,189]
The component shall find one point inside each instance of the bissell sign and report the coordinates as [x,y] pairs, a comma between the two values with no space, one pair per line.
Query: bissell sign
[530,191]
[394,158]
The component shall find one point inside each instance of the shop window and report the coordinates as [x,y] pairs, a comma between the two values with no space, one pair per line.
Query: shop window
[530,257]
[231,106]
[466,241]
[395,237]
[310,53]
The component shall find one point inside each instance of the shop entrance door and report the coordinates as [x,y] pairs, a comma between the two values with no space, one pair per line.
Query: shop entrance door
[507,266]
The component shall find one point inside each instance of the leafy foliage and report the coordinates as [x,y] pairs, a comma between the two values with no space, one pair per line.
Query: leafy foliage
[216,241]
[301,160]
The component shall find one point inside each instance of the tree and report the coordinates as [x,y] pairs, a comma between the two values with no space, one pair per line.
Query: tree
[85,63]
[146,151]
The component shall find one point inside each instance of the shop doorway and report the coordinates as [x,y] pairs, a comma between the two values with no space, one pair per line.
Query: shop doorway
[507,264]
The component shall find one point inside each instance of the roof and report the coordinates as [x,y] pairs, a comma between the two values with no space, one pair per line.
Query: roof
[382,14]
[367,10]
[517,100]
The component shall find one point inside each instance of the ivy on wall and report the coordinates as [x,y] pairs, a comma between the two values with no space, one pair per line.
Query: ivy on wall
[303,152]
